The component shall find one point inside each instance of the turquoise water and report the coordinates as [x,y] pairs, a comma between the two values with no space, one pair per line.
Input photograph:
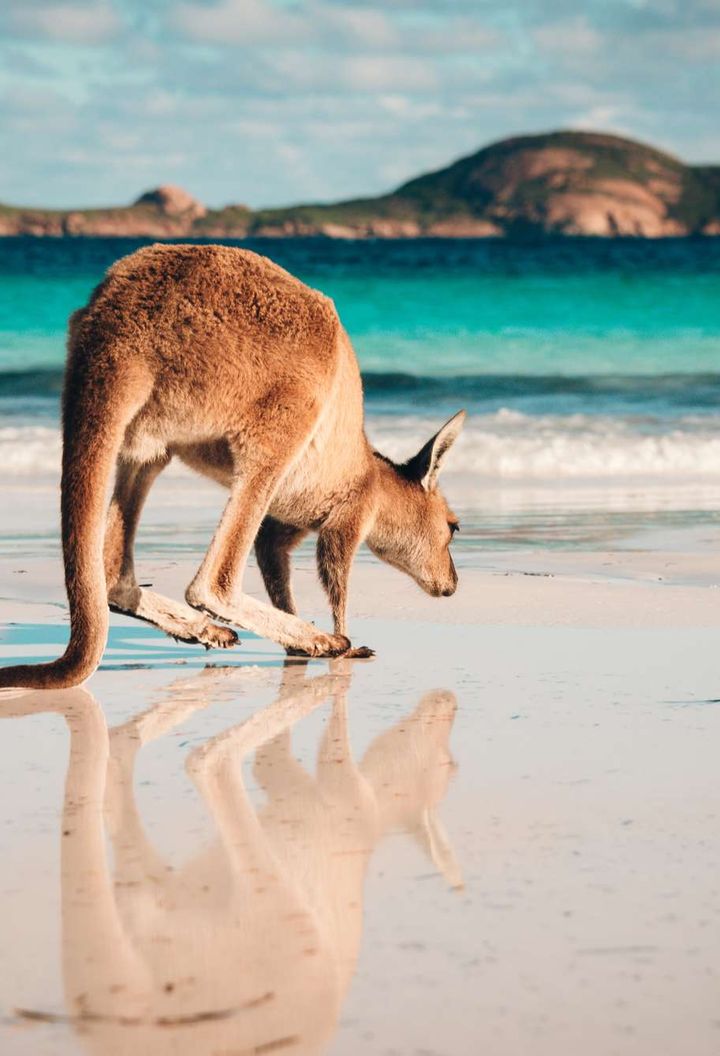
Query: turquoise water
[429,309]
[575,358]
[452,324]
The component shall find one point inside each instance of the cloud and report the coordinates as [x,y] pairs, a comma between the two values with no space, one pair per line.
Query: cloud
[81,23]
[324,25]
[244,22]
[574,37]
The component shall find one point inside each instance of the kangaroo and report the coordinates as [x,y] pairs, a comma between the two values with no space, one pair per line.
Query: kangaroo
[220,357]
[252,943]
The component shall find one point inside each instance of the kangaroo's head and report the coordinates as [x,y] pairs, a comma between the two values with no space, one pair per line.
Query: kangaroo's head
[414,525]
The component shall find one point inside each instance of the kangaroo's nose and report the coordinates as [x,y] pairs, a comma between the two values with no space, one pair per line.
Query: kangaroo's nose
[449,591]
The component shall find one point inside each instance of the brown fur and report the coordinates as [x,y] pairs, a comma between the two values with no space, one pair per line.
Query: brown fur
[219,357]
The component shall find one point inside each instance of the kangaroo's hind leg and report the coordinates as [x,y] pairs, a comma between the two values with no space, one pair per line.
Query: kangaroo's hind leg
[132,484]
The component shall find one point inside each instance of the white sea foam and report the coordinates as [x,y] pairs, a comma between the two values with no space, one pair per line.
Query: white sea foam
[509,445]
[28,449]
[502,446]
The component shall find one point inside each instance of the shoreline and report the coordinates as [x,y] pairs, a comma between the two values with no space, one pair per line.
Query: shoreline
[661,538]
[520,589]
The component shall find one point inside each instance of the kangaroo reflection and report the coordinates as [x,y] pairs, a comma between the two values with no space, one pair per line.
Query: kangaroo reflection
[250,946]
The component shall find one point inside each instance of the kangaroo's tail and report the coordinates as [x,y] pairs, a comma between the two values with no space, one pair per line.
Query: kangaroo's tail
[97,407]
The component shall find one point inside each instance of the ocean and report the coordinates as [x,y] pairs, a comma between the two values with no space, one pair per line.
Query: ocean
[590,369]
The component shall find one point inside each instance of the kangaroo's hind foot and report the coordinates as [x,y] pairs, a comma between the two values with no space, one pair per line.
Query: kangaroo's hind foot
[298,638]
[177,620]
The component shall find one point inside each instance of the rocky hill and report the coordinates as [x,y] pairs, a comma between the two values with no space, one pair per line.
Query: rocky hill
[566,183]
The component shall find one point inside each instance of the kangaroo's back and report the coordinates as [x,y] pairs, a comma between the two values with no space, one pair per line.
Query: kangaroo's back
[214,307]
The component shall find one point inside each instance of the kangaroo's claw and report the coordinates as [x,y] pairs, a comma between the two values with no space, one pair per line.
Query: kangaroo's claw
[220,637]
[335,650]
[359,652]
[211,636]
[325,645]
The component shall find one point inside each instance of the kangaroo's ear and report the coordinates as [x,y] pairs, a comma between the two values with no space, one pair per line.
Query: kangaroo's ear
[426,464]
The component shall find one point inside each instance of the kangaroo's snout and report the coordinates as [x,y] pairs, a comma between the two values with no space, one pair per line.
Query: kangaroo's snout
[449,589]
[443,589]
[446,590]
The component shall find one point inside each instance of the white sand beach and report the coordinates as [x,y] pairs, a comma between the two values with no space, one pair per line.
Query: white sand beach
[500,834]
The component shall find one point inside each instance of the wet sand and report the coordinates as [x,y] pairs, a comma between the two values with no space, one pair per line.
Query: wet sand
[501,835]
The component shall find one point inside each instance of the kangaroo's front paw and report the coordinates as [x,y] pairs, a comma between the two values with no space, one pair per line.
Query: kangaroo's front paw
[359,652]
[328,645]
[333,645]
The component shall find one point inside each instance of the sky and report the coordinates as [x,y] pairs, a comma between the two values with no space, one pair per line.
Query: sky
[270,102]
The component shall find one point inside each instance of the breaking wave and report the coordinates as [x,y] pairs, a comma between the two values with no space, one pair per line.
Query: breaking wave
[29,449]
[505,445]
[512,445]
